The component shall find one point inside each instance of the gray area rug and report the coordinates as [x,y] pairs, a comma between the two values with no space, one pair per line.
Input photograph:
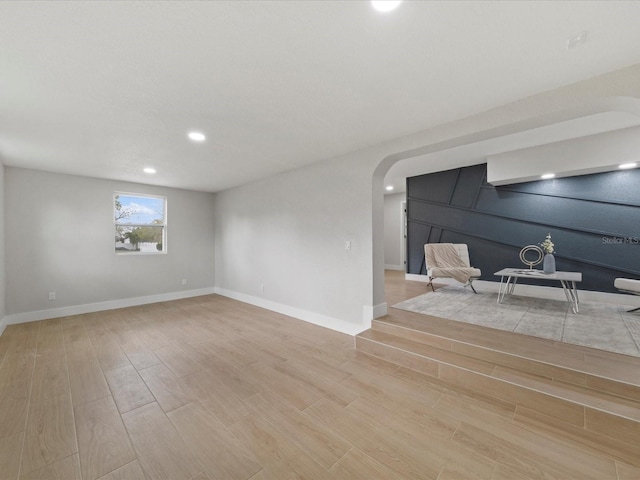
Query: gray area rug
[598,325]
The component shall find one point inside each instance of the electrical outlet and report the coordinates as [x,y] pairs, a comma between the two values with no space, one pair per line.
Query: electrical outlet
[184,281]
[262,288]
[347,245]
[52,295]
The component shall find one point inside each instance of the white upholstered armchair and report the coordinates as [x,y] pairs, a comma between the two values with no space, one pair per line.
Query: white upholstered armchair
[450,260]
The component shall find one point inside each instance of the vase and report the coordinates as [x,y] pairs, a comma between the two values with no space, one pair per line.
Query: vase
[549,263]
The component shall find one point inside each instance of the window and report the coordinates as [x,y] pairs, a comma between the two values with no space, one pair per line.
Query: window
[140,223]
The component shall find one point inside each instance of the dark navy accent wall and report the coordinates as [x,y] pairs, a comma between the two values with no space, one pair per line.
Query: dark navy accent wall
[594,221]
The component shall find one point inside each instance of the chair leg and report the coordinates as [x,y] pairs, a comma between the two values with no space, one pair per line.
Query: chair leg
[431,284]
[633,310]
[471,285]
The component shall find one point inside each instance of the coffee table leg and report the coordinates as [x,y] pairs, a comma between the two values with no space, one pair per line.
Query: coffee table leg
[571,292]
[500,289]
[506,288]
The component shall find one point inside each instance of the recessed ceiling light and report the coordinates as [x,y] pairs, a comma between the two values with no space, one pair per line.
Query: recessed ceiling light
[385,5]
[389,188]
[197,136]
[149,170]
[626,166]
[547,176]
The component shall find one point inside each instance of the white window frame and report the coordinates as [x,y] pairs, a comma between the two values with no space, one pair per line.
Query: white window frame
[163,225]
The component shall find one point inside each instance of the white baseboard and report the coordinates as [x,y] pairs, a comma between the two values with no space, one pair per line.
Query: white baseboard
[343,326]
[305,315]
[423,278]
[99,306]
[538,291]
[394,267]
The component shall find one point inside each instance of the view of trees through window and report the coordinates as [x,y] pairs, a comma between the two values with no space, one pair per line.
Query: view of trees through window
[139,223]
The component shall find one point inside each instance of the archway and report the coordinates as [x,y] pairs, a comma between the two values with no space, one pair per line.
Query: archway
[561,117]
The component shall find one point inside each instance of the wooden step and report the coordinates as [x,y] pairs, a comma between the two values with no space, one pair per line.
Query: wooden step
[595,369]
[570,399]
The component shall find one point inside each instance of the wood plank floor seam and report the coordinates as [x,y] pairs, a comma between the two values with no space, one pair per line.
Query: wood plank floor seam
[24,437]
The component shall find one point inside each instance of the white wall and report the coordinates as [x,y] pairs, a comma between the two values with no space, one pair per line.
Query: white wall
[393,231]
[288,231]
[2,251]
[60,238]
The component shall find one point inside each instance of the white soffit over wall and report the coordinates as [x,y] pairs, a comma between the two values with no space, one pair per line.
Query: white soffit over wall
[481,152]
[580,156]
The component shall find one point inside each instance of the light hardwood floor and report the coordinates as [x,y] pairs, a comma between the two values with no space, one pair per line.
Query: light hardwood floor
[210,388]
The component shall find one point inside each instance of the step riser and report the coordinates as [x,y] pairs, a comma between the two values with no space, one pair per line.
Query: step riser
[522,364]
[415,335]
[615,388]
[398,357]
[563,410]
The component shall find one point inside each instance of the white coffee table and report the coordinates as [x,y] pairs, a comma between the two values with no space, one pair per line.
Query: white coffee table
[509,277]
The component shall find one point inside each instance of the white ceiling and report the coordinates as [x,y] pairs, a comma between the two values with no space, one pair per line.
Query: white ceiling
[104,89]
